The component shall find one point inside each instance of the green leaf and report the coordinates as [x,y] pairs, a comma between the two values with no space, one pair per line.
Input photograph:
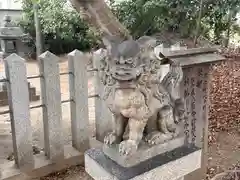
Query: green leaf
[62,28]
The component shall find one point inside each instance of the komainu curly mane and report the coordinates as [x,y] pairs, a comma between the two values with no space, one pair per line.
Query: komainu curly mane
[141,97]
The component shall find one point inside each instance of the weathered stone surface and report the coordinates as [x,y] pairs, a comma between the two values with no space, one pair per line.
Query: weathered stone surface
[103,116]
[78,83]
[20,116]
[52,112]
[144,152]
[143,98]
[169,166]
[193,89]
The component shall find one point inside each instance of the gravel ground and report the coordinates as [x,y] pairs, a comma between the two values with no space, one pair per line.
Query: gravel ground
[72,173]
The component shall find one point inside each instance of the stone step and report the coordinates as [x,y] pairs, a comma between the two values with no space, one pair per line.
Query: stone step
[4,86]
[3,102]
[32,96]
[32,93]
[3,94]
[32,90]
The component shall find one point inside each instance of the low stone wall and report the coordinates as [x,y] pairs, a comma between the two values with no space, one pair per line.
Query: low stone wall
[56,154]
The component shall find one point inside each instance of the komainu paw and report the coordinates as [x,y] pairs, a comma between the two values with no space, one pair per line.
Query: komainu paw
[128,147]
[155,138]
[111,138]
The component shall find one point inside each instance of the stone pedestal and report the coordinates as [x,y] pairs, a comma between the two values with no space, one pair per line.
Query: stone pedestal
[144,152]
[171,165]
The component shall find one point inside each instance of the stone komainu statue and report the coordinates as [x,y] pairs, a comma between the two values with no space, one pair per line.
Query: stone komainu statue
[146,104]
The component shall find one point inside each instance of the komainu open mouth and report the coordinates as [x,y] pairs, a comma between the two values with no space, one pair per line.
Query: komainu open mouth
[124,74]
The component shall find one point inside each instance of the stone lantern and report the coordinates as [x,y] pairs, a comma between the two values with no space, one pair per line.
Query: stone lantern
[10,38]
[11,42]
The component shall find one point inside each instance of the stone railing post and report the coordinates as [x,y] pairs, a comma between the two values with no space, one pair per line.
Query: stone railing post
[52,112]
[18,96]
[78,86]
[103,116]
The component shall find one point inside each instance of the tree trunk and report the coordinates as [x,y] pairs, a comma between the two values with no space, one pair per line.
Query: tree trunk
[198,23]
[38,30]
[98,14]
[229,24]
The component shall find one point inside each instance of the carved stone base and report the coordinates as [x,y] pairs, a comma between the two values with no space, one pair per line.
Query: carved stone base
[144,152]
[168,166]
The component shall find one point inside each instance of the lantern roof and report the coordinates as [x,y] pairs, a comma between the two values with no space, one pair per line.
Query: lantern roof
[9,30]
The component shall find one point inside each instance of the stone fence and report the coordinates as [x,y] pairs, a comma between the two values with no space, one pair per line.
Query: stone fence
[56,155]
[196,65]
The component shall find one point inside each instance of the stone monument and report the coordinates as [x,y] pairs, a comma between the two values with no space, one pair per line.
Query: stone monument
[10,38]
[153,94]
